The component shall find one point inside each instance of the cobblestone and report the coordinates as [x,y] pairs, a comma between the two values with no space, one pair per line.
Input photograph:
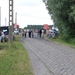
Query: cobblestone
[49,58]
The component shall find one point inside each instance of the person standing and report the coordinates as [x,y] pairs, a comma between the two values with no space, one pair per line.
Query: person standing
[25,33]
[3,35]
[30,33]
[0,36]
[47,33]
[40,32]
[42,35]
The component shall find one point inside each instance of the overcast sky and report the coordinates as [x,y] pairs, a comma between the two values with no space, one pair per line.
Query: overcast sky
[28,12]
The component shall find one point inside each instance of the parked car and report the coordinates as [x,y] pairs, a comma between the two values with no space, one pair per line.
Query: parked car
[53,33]
[5,33]
[6,36]
[16,32]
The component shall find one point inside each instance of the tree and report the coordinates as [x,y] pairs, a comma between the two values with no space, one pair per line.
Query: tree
[63,14]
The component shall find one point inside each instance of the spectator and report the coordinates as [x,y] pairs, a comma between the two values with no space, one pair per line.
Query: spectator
[42,33]
[0,36]
[47,33]
[30,33]
[25,33]
[3,35]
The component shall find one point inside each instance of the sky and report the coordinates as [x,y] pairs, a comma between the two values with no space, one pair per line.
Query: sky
[29,12]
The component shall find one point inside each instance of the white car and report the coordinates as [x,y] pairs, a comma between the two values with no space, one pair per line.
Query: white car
[16,32]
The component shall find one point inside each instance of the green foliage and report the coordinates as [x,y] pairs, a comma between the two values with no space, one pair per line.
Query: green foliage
[72,14]
[36,26]
[63,15]
[72,41]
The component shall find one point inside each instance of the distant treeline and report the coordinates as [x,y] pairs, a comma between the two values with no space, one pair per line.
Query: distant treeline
[36,26]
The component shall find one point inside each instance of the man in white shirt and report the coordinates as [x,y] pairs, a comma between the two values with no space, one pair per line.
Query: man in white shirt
[42,33]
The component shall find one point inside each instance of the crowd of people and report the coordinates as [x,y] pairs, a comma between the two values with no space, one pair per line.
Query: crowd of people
[28,33]
[39,33]
[31,33]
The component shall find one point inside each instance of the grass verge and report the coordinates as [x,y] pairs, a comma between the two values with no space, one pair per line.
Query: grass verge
[58,40]
[14,61]
[71,43]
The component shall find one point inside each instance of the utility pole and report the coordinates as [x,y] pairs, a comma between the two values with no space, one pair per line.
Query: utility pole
[0,16]
[10,21]
[5,22]
[16,17]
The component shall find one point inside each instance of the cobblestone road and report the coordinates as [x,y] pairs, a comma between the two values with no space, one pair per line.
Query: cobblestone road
[49,58]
